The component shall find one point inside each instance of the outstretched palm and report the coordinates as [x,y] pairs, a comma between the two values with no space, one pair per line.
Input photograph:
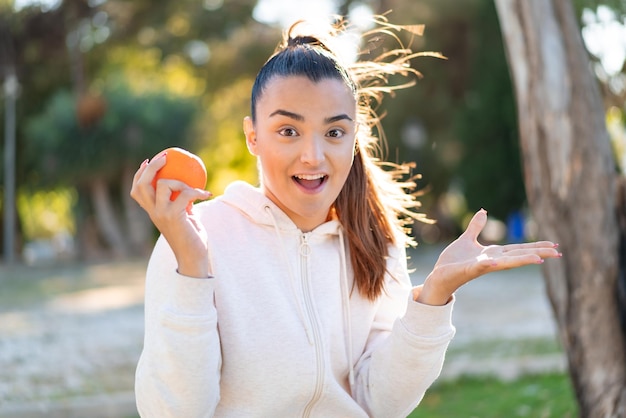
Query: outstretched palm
[466,259]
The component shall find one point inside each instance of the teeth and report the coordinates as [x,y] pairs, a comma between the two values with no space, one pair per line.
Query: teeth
[309,176]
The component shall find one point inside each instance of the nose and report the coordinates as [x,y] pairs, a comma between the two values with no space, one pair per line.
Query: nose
[313,151]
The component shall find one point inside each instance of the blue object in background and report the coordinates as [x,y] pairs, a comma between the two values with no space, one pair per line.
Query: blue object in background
[515,227]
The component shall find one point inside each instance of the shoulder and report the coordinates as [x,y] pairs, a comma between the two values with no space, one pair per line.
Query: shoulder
[234,197]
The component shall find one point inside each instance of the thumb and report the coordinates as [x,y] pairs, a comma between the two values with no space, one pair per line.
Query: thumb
[476,225]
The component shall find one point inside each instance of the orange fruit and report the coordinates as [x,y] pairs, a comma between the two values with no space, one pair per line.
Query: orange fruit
[184,166]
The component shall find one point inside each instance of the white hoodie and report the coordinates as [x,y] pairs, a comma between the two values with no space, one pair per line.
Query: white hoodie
[278,332]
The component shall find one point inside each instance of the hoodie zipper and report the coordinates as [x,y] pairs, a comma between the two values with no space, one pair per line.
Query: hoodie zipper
[305,250]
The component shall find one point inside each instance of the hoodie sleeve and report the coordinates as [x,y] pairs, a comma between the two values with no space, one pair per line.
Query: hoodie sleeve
[405,350]
[178,373]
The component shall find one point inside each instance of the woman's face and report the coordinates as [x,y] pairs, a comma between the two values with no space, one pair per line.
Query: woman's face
[304,139]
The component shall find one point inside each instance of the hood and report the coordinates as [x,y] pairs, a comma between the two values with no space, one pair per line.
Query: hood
[253,203]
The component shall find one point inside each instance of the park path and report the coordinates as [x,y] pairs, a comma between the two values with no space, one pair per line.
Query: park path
[499,319]
[75,355]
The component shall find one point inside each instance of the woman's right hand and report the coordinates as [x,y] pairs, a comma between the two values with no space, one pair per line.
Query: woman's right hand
[174,219]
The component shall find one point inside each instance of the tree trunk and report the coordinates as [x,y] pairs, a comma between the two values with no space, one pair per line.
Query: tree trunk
[106,218]
[139,226]
[570,179]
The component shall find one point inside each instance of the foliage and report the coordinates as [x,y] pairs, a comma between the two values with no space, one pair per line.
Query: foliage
[459,122]
[225,152]
[126,56]
[46,213]
[132,127]
[616,126]
[490,171]
[546,396]
[211,49]
[618,6]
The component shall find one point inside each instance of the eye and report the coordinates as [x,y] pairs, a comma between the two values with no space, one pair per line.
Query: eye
[335,133]
[288,132]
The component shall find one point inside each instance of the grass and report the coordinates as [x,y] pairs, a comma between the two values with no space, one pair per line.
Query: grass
[22,286]
[537,396]
[506,348]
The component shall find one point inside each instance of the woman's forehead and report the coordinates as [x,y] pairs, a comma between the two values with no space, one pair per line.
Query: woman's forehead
[301,91]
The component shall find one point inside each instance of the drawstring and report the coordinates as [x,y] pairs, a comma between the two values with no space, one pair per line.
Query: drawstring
[346,309]
[344,290]
[292,278]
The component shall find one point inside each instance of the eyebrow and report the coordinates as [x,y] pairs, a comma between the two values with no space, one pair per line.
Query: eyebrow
[337,118]
[300,118]
[288,114]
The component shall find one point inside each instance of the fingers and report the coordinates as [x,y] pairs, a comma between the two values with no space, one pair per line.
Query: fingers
[147,170]
[173,198]
[177,191]
[539,252]
[157,163]
[140,171]
[507,263]
[542,249]
[142,190]
[164,195]
[514,258]
[530,245]
[476,225]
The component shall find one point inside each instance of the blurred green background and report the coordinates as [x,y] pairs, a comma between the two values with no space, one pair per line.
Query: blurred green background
[104,84]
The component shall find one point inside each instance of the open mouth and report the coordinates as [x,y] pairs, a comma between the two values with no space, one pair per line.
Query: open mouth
[310,181]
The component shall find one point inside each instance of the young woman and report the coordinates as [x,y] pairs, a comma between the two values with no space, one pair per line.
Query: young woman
[293,298]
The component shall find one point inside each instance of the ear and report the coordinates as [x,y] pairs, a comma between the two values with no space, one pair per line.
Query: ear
[248,130]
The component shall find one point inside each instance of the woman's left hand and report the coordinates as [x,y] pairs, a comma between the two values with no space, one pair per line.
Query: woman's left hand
[466,259]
